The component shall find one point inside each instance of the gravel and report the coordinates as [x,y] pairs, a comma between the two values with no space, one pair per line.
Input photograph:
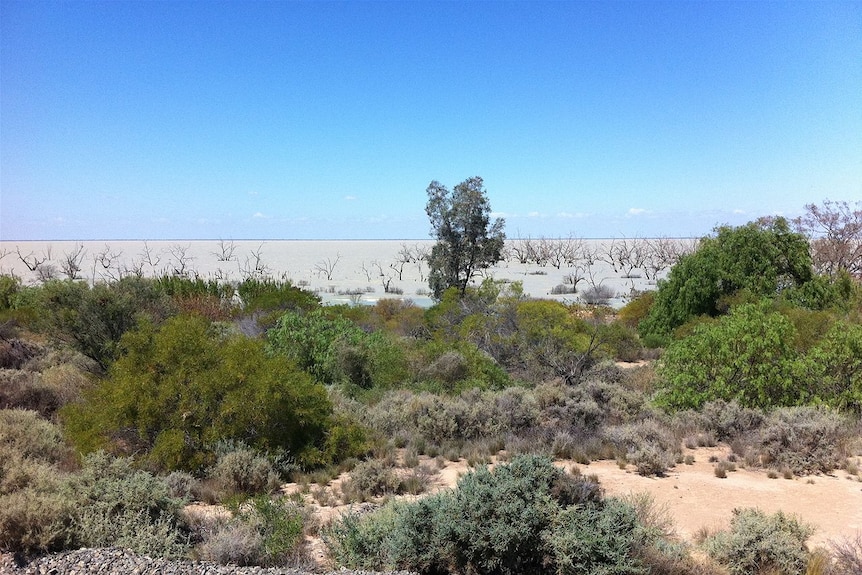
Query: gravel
[114,561]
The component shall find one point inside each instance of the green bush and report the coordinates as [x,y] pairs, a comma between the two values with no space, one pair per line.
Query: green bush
[760,258]
[745,356]
[761,543]
[337,351]
[93,319]
[179,389]
[264,531]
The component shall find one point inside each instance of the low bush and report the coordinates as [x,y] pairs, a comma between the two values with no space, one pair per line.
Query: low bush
[26,434]
[761,543]
[650,446]
[596,540]
[518,518]
[244,471]
[117,505]
[804,440]
[847,556]
[35,513]
[369,479]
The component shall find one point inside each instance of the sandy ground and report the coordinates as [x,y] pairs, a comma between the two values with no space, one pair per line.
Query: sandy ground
[697,499]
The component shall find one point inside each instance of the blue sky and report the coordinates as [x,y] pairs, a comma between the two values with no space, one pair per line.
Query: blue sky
[314,120]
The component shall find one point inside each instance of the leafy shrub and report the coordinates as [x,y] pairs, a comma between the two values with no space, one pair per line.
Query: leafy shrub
[758,258]
[745,356]
[761,543]
[94,318]
[179,389]
[336,350]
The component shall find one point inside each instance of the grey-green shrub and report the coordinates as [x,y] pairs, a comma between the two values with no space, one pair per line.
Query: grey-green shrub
[234,543]
[804,440]
[35,513]
[649,445]
[758,542]
[369,479]
[596,540]
[28,435]
[118,505]
[495,522]
[244,470]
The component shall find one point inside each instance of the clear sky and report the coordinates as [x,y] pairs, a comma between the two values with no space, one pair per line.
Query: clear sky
[314,120]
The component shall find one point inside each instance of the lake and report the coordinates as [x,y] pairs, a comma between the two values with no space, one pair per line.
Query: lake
[358,271]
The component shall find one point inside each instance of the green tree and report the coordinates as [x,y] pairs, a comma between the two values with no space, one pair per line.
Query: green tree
[178,389]
[467,239]
[761,259]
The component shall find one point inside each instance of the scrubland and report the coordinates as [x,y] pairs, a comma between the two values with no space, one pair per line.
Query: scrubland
[243,422]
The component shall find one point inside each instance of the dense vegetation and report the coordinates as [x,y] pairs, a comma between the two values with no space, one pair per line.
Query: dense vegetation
[121,401]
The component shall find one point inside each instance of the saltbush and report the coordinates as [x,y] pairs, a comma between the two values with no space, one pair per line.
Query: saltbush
[244,471]
[117,505]
[369,479]
[596,540]
[761,543]
[649,445]
[803,440]
[509,520]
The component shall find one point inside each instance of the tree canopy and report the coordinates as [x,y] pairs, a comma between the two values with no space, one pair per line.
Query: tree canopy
[467,239]
[763,259]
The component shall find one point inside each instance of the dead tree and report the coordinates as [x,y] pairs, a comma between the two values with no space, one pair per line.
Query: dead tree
[72,261]
[326,267]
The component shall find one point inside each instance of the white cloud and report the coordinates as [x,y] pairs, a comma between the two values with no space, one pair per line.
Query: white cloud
[737,211]
[636,211]
[534,215]
[260,216]
[349,198]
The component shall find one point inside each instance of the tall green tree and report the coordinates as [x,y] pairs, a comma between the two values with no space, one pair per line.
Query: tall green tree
[763,259]
[467,240]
